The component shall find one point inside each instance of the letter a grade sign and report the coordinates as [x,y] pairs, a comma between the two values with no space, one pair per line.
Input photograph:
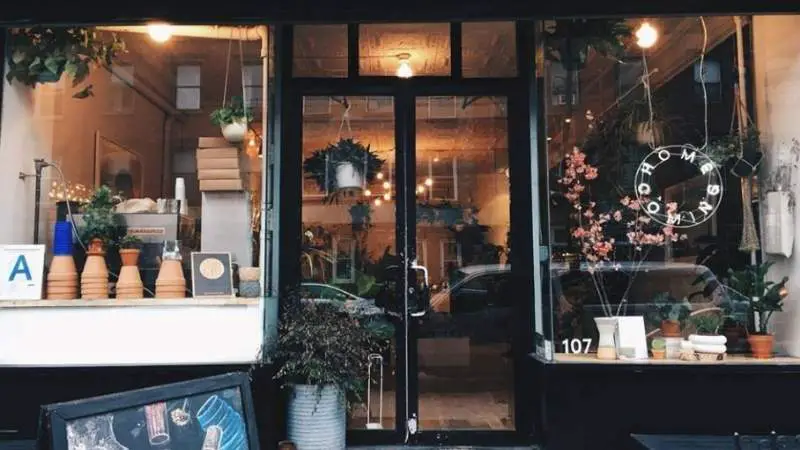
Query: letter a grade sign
[23,270]
[691,210]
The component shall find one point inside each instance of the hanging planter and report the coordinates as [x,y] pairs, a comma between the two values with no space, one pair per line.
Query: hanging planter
[568,41]
[234,119]
[345,165]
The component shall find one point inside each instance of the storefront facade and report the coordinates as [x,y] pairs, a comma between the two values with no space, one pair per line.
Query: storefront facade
[474,132]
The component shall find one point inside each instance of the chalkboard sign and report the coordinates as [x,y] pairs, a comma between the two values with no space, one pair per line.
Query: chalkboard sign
[214,413]
[212,275]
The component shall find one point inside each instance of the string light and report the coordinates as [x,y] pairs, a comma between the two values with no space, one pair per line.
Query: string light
[378,202]
[429,181]
[379,175]
[420,189]
[387,185]
[368,193]
[387,196]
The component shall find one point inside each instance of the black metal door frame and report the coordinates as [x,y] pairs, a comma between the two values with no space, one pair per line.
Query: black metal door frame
[522,142]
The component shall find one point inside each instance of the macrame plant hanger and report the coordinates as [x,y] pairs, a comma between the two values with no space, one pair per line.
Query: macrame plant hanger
[241,71]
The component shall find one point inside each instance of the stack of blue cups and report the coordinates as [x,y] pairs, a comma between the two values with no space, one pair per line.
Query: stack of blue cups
[62,239]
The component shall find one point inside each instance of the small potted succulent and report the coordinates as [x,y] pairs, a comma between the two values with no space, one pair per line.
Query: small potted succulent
[659,348]
[129,284]
[234,119]
[347,164]
[668,314]
[130,247]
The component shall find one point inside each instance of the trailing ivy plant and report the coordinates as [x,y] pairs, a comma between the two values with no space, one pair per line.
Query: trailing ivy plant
[40,55]
[321,165]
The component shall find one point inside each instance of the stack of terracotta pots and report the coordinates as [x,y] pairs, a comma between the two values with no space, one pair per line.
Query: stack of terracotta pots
[94,278]
[62,280]
[170,282]
[129,285]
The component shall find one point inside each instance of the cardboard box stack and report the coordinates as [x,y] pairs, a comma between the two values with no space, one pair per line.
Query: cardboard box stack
[219,166]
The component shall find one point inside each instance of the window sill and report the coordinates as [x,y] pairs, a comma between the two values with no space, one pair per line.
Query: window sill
[730,360]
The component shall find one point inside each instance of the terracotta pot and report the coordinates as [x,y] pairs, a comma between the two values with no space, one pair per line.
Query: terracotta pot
[670,328]
[129,256]
[130,284]
[62,279]
[170,282]
[94,278]
[761,345]
[659,354]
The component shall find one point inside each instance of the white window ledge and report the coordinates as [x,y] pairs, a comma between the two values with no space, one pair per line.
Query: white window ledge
[68,333]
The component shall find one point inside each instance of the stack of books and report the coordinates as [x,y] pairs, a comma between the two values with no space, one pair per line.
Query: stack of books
[218,165]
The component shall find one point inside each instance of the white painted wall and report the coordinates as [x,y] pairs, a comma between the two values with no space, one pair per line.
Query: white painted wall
[776,42]
[22,139]
[150,334]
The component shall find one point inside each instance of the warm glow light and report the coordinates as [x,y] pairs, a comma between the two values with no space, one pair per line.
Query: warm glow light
[387,196]
[378,202]
[160,32]
[379,175]
[252,142]
[367,192]
[429,182]
[646,35]
[404,68]
[387,185]
[568,120]
[436,159]
[420,189]
[549,138]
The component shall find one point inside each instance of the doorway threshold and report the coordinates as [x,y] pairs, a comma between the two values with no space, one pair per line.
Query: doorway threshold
[440,447]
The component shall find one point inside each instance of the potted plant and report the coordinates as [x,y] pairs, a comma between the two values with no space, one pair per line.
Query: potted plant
[764,298]
[101,227]
[234,119]
[707,344]
[129,284]
[347,164]
[668,314]
[43,54]
[322,354]
[659,348]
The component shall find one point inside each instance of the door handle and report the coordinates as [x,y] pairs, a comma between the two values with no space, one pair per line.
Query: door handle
[424,270]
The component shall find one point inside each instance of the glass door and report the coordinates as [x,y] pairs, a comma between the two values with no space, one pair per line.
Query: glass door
[461,365]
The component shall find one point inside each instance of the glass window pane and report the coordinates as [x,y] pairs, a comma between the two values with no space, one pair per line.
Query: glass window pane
[320,51]
[488,49]
[188,76]
[426,46]
[188,98]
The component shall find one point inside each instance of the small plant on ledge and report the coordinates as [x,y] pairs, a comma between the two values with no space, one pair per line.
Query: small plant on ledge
[40,55]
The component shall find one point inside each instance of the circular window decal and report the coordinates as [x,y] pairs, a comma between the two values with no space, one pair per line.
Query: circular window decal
[212,268]
[662,162]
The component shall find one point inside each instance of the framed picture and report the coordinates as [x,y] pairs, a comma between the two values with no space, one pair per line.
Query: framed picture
[214,413]
[212,275]
[118,167]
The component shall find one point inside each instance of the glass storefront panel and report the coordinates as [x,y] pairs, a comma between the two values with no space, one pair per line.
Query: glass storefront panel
[405,50]
[654,205]
[320,51]
[348,227]
[489,49]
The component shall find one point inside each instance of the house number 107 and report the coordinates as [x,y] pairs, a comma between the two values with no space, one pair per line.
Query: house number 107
[577,345]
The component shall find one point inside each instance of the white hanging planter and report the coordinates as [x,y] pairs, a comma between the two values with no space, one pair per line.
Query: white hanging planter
[347,177]
[235,132]
[779,223]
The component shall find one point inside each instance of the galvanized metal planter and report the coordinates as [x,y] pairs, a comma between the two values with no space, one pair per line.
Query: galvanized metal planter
[317,418]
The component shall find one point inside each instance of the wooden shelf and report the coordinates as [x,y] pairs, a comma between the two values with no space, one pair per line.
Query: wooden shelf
[82,303]
[730,360]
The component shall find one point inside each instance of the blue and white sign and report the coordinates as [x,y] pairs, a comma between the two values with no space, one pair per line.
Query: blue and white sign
[22,272]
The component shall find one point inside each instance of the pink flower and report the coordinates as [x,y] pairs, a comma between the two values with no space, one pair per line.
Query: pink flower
[625,201]
[578,233]
[591,173]
[672,207]
[634,205]
[644,219]
[618,215]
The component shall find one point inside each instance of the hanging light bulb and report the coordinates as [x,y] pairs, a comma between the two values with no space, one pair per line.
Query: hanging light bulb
[404,68]
[160,32]
[387,185]
[429,181]
[646,35]
[367,192]
[387,196]
[379,175]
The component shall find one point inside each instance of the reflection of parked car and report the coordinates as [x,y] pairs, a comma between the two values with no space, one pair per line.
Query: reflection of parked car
[320,292]
[478,304]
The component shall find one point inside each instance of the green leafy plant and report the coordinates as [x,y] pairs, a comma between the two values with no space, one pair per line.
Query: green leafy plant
[568,41]
[43,54]
[361,216]
[708,324]
[234,111]
[764,297]
[130,241]
[658,344]
[320,344]
[321,165]
[100,221]
[666,307]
